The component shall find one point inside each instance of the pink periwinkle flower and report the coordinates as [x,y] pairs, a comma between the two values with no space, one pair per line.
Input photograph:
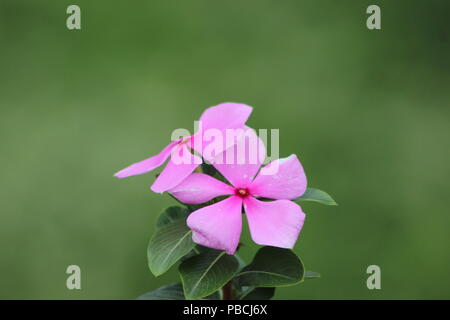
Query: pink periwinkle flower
[221,117]
[273,223]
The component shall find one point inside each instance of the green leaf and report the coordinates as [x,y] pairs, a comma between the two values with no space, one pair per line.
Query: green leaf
[311,275]
[253,293]
[272,267]
[317,195]
[173,291]
[205,273]
[241,261]
[170,215]
[208,169]
[215,296]
[169,243]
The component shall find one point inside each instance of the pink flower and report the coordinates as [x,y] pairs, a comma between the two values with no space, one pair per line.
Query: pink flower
[221,117]
[274,223]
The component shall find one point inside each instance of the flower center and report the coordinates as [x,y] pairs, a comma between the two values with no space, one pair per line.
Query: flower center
[241,192]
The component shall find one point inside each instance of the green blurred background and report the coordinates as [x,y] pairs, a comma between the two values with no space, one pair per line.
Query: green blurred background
[366,111]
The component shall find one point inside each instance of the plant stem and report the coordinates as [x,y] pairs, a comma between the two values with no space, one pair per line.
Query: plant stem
[227,291]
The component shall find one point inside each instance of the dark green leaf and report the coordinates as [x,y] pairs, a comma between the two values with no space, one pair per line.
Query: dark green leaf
[168,245]
[208,169]
[205,273]
[272,267]
[317,195]
[190,254]
[170,215]
[215,296]
[242,263]
[173,291]
[252,293]
[197,250]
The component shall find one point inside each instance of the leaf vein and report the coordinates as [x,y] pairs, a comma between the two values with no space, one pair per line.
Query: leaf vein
[206,271]
[175,246]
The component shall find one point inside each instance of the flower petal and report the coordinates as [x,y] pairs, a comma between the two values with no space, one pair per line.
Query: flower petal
[218,226]
[275,223]
[176,171]
[213,126]
[240,163]
[280,179]
[227,115]
[200,188]
[148,164]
